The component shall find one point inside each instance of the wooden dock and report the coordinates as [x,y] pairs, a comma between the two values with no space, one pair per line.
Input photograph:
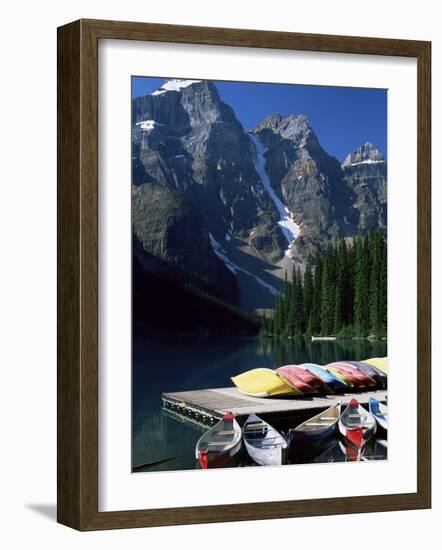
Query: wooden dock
[208,406]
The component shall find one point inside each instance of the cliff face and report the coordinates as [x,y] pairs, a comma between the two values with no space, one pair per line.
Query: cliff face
[308,180]
[232,208]
[366,174]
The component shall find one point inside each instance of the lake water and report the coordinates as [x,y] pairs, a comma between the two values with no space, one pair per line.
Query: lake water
[160,365]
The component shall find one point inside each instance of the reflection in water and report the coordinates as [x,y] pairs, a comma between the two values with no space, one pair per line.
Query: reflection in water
[159,366]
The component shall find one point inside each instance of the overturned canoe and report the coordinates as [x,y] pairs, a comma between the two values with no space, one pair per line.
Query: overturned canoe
[378,362]
[221,445]
[330,379]
[297,376]
[371,371]
[351,375]
[265,445]
[319,426]
[263,383]
[379,411]
[302,379]
[356,424]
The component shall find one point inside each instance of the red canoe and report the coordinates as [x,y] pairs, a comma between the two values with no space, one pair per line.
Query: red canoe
[302,379]
[351,374]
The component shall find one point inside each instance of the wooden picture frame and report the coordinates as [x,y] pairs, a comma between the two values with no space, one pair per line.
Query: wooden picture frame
[78,274]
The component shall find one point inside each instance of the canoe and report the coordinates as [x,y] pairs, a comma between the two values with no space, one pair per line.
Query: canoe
[371,371]
[376,449]
[350,452]
[332,381]
[319,426]
[291,373]
[378,362]
[351,375]
[302,379]
[221,445]
[263,383]
[379,411]
[356,424]
[265,445]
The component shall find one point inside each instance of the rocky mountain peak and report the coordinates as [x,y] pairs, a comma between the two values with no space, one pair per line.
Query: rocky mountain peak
[272,122]
[366,154]
[186,89]
[291,127]
[182,104]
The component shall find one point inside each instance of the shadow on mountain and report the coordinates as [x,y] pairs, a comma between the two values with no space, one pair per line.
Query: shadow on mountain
[169,302]
[254,279]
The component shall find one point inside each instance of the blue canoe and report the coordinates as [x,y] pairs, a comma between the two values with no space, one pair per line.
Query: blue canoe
[379,411]
[335,383]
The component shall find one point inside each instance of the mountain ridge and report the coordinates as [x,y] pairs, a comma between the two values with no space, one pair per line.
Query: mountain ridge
[252,191]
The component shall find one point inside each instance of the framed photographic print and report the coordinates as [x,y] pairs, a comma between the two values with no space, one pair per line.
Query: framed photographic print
[243,275]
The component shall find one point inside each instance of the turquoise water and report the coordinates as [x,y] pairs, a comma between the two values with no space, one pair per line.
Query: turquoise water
[161,365]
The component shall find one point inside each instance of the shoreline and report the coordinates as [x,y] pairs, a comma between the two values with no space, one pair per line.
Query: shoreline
[326,338]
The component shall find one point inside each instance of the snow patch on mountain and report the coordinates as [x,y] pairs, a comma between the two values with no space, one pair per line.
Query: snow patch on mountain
[366,154]
[147,125]
[234,268]
[367,161]
[221,253]
[174,85]
[289,228]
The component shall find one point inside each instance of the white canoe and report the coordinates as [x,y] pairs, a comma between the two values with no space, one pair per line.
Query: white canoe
[356,424]
[321,425]
[220,445]
[265,445]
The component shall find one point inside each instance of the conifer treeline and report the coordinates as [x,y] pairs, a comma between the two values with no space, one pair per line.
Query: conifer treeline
[343,292]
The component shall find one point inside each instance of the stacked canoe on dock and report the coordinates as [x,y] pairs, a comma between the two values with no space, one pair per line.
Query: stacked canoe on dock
[226,443]
[309,379]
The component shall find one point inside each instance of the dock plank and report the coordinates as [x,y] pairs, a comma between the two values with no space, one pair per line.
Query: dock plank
[216,402]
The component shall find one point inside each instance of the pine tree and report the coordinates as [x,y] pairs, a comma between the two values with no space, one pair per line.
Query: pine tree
[341,281]
[300,301]
[374,286]
[316,308]
[276,330]
[383,289]
[337,319]
[366,287]
[327,292]
[295,303]
[358,302]
[343,288]
[287,307]
[308,297]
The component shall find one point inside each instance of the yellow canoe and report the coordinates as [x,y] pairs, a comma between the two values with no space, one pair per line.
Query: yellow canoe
[380,363]
[263,383]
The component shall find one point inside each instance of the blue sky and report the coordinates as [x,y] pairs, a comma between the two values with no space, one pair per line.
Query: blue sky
[342,118]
